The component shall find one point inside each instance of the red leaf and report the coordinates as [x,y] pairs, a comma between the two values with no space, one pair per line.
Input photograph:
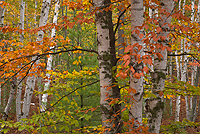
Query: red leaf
[160,93]
[124,109]
[127,63]
[137,31]
[146,26]
[131,90]
[137,75]
[141,36]
[126,57]
[132,70]
[158,29]
[108,88]
[129,48]
[155,38]
[146,69]
[169,49]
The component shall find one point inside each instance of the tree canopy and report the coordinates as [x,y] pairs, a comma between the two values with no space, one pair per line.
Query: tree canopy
[99,66]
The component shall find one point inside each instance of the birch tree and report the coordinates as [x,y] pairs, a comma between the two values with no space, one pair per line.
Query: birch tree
[30,84]
[10,99]
[2,10]
[107,59]
[155,105]
[178,98]
[135,82]
[194,76]
[19,87]
[49,60]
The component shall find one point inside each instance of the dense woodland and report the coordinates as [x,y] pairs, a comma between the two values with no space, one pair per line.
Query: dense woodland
[99,66]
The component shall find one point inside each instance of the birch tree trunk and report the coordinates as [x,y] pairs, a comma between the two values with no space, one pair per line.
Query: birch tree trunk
[2,10]
[19,87]
[155,105]
[135,83]
[188,109]
[10,99]
[107,59]
[49,60]
[30,84]
[194,67]
[170,77]
[194,76]
[178,98]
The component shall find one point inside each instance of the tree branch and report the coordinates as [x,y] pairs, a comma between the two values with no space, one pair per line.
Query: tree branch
[69,94]
[61,51]
[119,19]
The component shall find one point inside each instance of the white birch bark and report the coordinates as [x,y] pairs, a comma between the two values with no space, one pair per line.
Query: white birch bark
[10,99]
[30,84]
[103,48]
[183,61]
[135,83]
[188,109]
[193,105]
[35,16]
[19,87]
[49,60]
[193,70]
[2,10]
[170,77]
[154,106]
[178,98]
[107,59]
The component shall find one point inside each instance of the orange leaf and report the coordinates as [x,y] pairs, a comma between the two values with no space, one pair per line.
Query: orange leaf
[169,49]
[108,88]
[146,69]
[155,38]
[123,75]
[141,36]
[158,29]
[160,93]
[137,75]
[123,109]
[131,90]
[127,63]
[132,70]
[129,48]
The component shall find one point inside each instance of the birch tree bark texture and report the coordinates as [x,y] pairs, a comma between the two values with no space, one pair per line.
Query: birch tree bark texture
[30,84]
[154,106]
[19,87]
[49,60]
[107,59]
[136,83]
[2,10]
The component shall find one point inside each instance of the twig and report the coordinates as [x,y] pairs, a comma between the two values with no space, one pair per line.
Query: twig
[69,94]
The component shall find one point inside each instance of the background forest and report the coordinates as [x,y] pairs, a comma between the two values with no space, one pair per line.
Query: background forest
[99,66]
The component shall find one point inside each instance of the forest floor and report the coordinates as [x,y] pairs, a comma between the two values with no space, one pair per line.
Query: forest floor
[167,118]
